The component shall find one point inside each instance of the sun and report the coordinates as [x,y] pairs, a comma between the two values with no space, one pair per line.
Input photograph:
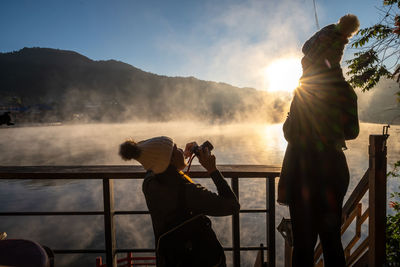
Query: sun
[283,74]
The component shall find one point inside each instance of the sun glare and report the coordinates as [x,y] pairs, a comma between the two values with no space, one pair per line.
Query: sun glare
[283,74]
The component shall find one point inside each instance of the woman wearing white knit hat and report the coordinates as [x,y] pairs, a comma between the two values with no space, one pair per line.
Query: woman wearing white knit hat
[173,198]
[315,175]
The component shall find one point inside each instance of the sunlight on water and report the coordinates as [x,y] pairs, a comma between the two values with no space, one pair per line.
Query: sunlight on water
[97,144]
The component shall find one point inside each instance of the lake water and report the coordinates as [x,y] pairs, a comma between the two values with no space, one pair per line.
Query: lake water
[97,144]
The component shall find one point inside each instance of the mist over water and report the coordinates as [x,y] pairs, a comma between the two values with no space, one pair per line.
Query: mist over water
[97,144]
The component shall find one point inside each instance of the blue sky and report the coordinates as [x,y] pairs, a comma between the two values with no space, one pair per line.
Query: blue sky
[228,41]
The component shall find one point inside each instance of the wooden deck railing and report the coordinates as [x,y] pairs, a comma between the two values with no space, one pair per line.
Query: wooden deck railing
[371,250]
[108,173]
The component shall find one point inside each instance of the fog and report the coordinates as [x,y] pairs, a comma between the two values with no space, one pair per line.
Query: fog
[97,144]
[380,104]
[117,92]
[92,144]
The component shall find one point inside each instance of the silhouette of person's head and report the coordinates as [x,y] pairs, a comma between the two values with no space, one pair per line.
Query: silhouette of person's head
[325,48]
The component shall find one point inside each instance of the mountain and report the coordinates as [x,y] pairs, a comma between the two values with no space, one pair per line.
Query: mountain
[68,86]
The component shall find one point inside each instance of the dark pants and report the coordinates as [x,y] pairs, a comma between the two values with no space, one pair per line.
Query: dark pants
[316,206]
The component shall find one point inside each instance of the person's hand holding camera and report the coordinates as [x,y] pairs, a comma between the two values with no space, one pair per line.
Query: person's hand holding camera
[207,160]
[189,149]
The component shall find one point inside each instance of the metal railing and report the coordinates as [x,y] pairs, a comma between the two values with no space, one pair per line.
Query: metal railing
[108,173]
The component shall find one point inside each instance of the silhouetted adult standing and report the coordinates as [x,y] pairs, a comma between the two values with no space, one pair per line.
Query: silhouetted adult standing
[173,198]
[315,176]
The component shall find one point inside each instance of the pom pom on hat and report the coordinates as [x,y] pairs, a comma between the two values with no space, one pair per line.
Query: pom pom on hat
[348,25]
[129,150]
[154,154]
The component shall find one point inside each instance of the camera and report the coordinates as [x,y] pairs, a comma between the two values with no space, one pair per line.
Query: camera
[196,149]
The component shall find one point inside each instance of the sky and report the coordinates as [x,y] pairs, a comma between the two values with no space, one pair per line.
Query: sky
[231,41]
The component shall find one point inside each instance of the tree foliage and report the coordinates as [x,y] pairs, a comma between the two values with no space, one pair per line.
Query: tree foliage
[379,53]
[379,57]
[393,223]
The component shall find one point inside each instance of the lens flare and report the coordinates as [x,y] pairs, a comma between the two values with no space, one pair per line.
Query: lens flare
[283,74]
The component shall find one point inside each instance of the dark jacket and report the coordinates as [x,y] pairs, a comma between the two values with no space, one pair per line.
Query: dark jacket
[323,111]
[162,196]
[323,114]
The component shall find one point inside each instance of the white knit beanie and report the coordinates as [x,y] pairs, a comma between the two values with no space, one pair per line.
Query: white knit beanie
[155,153]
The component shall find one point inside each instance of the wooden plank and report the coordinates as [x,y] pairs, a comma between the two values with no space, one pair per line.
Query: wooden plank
[320,263]
[126,172]
[377,200]
[350,218]
[358,251]
[362,261]
[317,252]
[351,244]
[357,234]
[364,216]
[355,196]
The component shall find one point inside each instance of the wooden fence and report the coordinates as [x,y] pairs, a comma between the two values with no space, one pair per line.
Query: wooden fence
[369,250]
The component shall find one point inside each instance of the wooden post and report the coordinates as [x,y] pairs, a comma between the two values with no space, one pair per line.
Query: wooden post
[236,226]
[377,200]
[270,190]
[109,228]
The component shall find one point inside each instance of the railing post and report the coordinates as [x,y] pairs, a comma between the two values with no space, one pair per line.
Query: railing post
[270,190]
[109,229]
[377,200]
[236,226]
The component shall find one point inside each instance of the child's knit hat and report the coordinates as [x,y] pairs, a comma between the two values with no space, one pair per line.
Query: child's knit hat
[326,46]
